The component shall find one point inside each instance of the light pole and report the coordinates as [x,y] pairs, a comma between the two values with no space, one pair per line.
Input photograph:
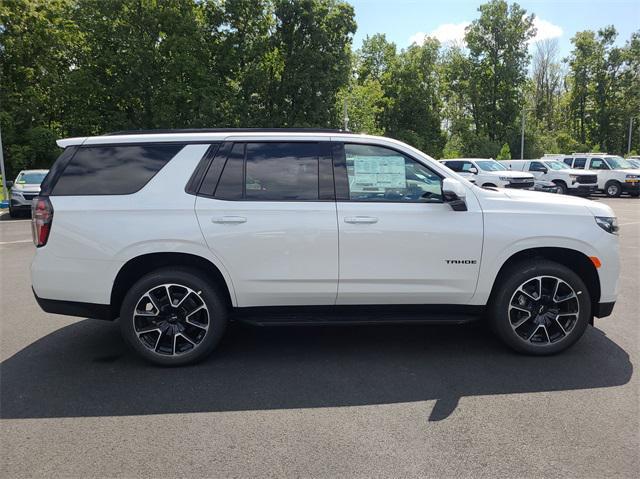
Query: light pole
[630,132]
[4,176]
[524,114]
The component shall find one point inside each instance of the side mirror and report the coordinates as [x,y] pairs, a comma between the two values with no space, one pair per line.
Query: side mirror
[473,170]
[454,193]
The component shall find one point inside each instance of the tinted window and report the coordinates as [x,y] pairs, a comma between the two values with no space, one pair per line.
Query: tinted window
[282,171]
[379,174]
[460,166]
[536,166]
[568,161]
[230,184]
[579,163]
[113,170]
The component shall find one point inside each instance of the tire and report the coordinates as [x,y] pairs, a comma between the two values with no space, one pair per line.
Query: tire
[562,186]
[613,189]
[197,313]
[12,213]
[510,304]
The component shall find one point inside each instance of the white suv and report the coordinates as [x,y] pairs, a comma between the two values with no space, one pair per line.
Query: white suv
[550,169]
[615,174]
[177,233]
[490,173]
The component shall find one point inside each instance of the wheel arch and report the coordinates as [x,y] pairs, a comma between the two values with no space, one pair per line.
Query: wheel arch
[140,265]
[571,258]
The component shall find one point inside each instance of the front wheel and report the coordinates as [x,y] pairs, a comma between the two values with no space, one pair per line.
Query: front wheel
[613,189]
[173,317]
[541,307]
[562,187]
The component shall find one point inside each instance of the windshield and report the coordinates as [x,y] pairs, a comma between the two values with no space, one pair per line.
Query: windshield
[30,178]
[556,165]
[490,165]
[618,163]
[635,163]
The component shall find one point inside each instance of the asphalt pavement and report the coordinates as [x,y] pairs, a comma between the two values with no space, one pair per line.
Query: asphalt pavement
[368,401]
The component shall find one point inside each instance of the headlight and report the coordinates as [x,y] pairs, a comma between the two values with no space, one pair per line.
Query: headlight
[609,224]
[633,176]
[574,177]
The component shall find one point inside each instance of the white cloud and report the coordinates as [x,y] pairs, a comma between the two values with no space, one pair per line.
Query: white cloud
[445,33]
[454,32]
[545,30]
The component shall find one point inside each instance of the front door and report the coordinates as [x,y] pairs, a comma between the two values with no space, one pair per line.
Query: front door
[399,242]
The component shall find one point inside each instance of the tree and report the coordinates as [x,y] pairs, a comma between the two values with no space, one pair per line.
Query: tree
[505,153]
[547,82]
[497,43]
[365,102]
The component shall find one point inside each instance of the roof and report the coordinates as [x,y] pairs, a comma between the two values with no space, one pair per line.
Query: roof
[225,130]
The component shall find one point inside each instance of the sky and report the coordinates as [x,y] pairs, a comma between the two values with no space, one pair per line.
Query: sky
[406,21]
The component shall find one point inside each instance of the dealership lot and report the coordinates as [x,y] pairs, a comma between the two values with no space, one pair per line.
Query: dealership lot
[390,401]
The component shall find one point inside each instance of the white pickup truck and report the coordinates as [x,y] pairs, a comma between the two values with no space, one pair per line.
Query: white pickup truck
[615,174]
[488,172]
[564,177]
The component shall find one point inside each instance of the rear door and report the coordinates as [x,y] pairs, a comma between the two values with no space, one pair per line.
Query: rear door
[267,211]
[399,242]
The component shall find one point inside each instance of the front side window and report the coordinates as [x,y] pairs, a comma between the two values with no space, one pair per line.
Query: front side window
[380,174]
[598,164]
[568,161]
[536,166]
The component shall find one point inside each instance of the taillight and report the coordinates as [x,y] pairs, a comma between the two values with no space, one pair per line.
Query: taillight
[41,218]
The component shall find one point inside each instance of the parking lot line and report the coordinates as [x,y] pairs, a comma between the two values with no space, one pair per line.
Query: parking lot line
[17,241]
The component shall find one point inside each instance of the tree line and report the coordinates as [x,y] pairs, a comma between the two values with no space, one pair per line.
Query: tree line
[85,67]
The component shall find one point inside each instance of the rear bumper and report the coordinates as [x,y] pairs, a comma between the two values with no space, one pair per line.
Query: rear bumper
[602,310]
[74,308]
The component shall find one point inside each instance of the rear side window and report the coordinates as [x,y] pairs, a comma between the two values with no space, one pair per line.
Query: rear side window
[579,163]
[113,170]
[282,171]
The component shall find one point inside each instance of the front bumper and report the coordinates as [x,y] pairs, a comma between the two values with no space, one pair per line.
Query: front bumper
[584,189]
[631,186]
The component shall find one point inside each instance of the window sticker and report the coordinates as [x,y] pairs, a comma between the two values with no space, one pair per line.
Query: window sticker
[377,173]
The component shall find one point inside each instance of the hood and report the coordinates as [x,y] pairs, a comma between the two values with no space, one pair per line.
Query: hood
[26,187]
[544,202]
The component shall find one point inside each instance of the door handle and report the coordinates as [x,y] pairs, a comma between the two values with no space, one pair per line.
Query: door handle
[229,220]
[361,219]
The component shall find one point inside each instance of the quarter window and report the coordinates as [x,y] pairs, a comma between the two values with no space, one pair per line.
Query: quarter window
[379,174]
[113,170]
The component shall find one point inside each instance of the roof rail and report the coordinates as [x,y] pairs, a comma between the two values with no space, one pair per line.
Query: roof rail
[553,154]
[591,153]
[225,130]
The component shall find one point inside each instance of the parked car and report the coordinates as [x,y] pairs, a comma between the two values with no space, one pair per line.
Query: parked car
[179,232]
[635,161]
[24,189]
[546,186]
[566,179]
[615,174]
[490,173]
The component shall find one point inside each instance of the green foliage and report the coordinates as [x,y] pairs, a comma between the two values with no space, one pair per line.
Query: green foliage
[83,67]
[505,153]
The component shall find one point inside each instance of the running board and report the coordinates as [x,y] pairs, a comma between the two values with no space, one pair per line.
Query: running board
[354,314]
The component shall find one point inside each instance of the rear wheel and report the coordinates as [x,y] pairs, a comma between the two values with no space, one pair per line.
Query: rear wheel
[173,317]
[541,308]
[613,189]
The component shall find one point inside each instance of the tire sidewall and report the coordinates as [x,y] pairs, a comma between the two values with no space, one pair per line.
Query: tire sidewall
[618,191]
[192,279]
[562,186]
[511,280]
